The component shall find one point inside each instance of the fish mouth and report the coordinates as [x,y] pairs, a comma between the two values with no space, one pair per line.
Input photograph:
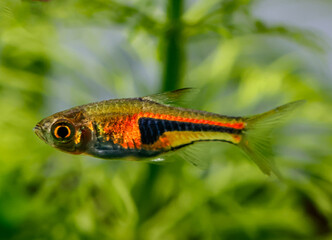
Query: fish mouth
[39,132]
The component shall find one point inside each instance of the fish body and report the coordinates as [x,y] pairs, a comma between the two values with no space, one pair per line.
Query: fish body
[144,127]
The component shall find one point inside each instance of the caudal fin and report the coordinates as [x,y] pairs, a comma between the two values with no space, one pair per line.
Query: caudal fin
[256,138]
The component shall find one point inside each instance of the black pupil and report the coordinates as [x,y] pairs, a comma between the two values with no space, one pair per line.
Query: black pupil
[62,132]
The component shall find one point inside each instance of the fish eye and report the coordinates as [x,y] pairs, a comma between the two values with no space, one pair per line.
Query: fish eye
[63,130]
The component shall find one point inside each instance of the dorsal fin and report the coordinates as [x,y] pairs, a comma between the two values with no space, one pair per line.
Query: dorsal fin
[179,97]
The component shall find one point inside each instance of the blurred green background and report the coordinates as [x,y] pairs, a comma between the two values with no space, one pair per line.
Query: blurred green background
[245,56]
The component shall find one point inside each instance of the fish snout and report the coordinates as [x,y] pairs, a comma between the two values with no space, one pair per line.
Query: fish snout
[39,132]
[36,128]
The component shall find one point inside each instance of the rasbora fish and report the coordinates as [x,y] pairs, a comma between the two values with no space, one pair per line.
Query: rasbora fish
[147,127]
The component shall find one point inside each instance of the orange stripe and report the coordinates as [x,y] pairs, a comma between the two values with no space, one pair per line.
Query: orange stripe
[127,133]
[236,125]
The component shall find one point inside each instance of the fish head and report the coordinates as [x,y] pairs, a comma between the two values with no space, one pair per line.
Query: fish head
[67,131]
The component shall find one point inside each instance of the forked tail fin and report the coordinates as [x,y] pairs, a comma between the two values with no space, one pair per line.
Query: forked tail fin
[256,138]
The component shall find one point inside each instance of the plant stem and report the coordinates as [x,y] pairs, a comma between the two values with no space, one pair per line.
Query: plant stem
[172,75]
[174,47]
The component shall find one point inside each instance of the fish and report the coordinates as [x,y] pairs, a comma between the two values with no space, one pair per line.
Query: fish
[152,126]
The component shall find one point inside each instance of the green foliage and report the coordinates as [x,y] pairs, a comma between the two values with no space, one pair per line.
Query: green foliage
[58,54]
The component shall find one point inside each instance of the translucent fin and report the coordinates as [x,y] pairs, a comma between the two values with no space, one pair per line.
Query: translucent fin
[178,97]
[197,154]
[256,138]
